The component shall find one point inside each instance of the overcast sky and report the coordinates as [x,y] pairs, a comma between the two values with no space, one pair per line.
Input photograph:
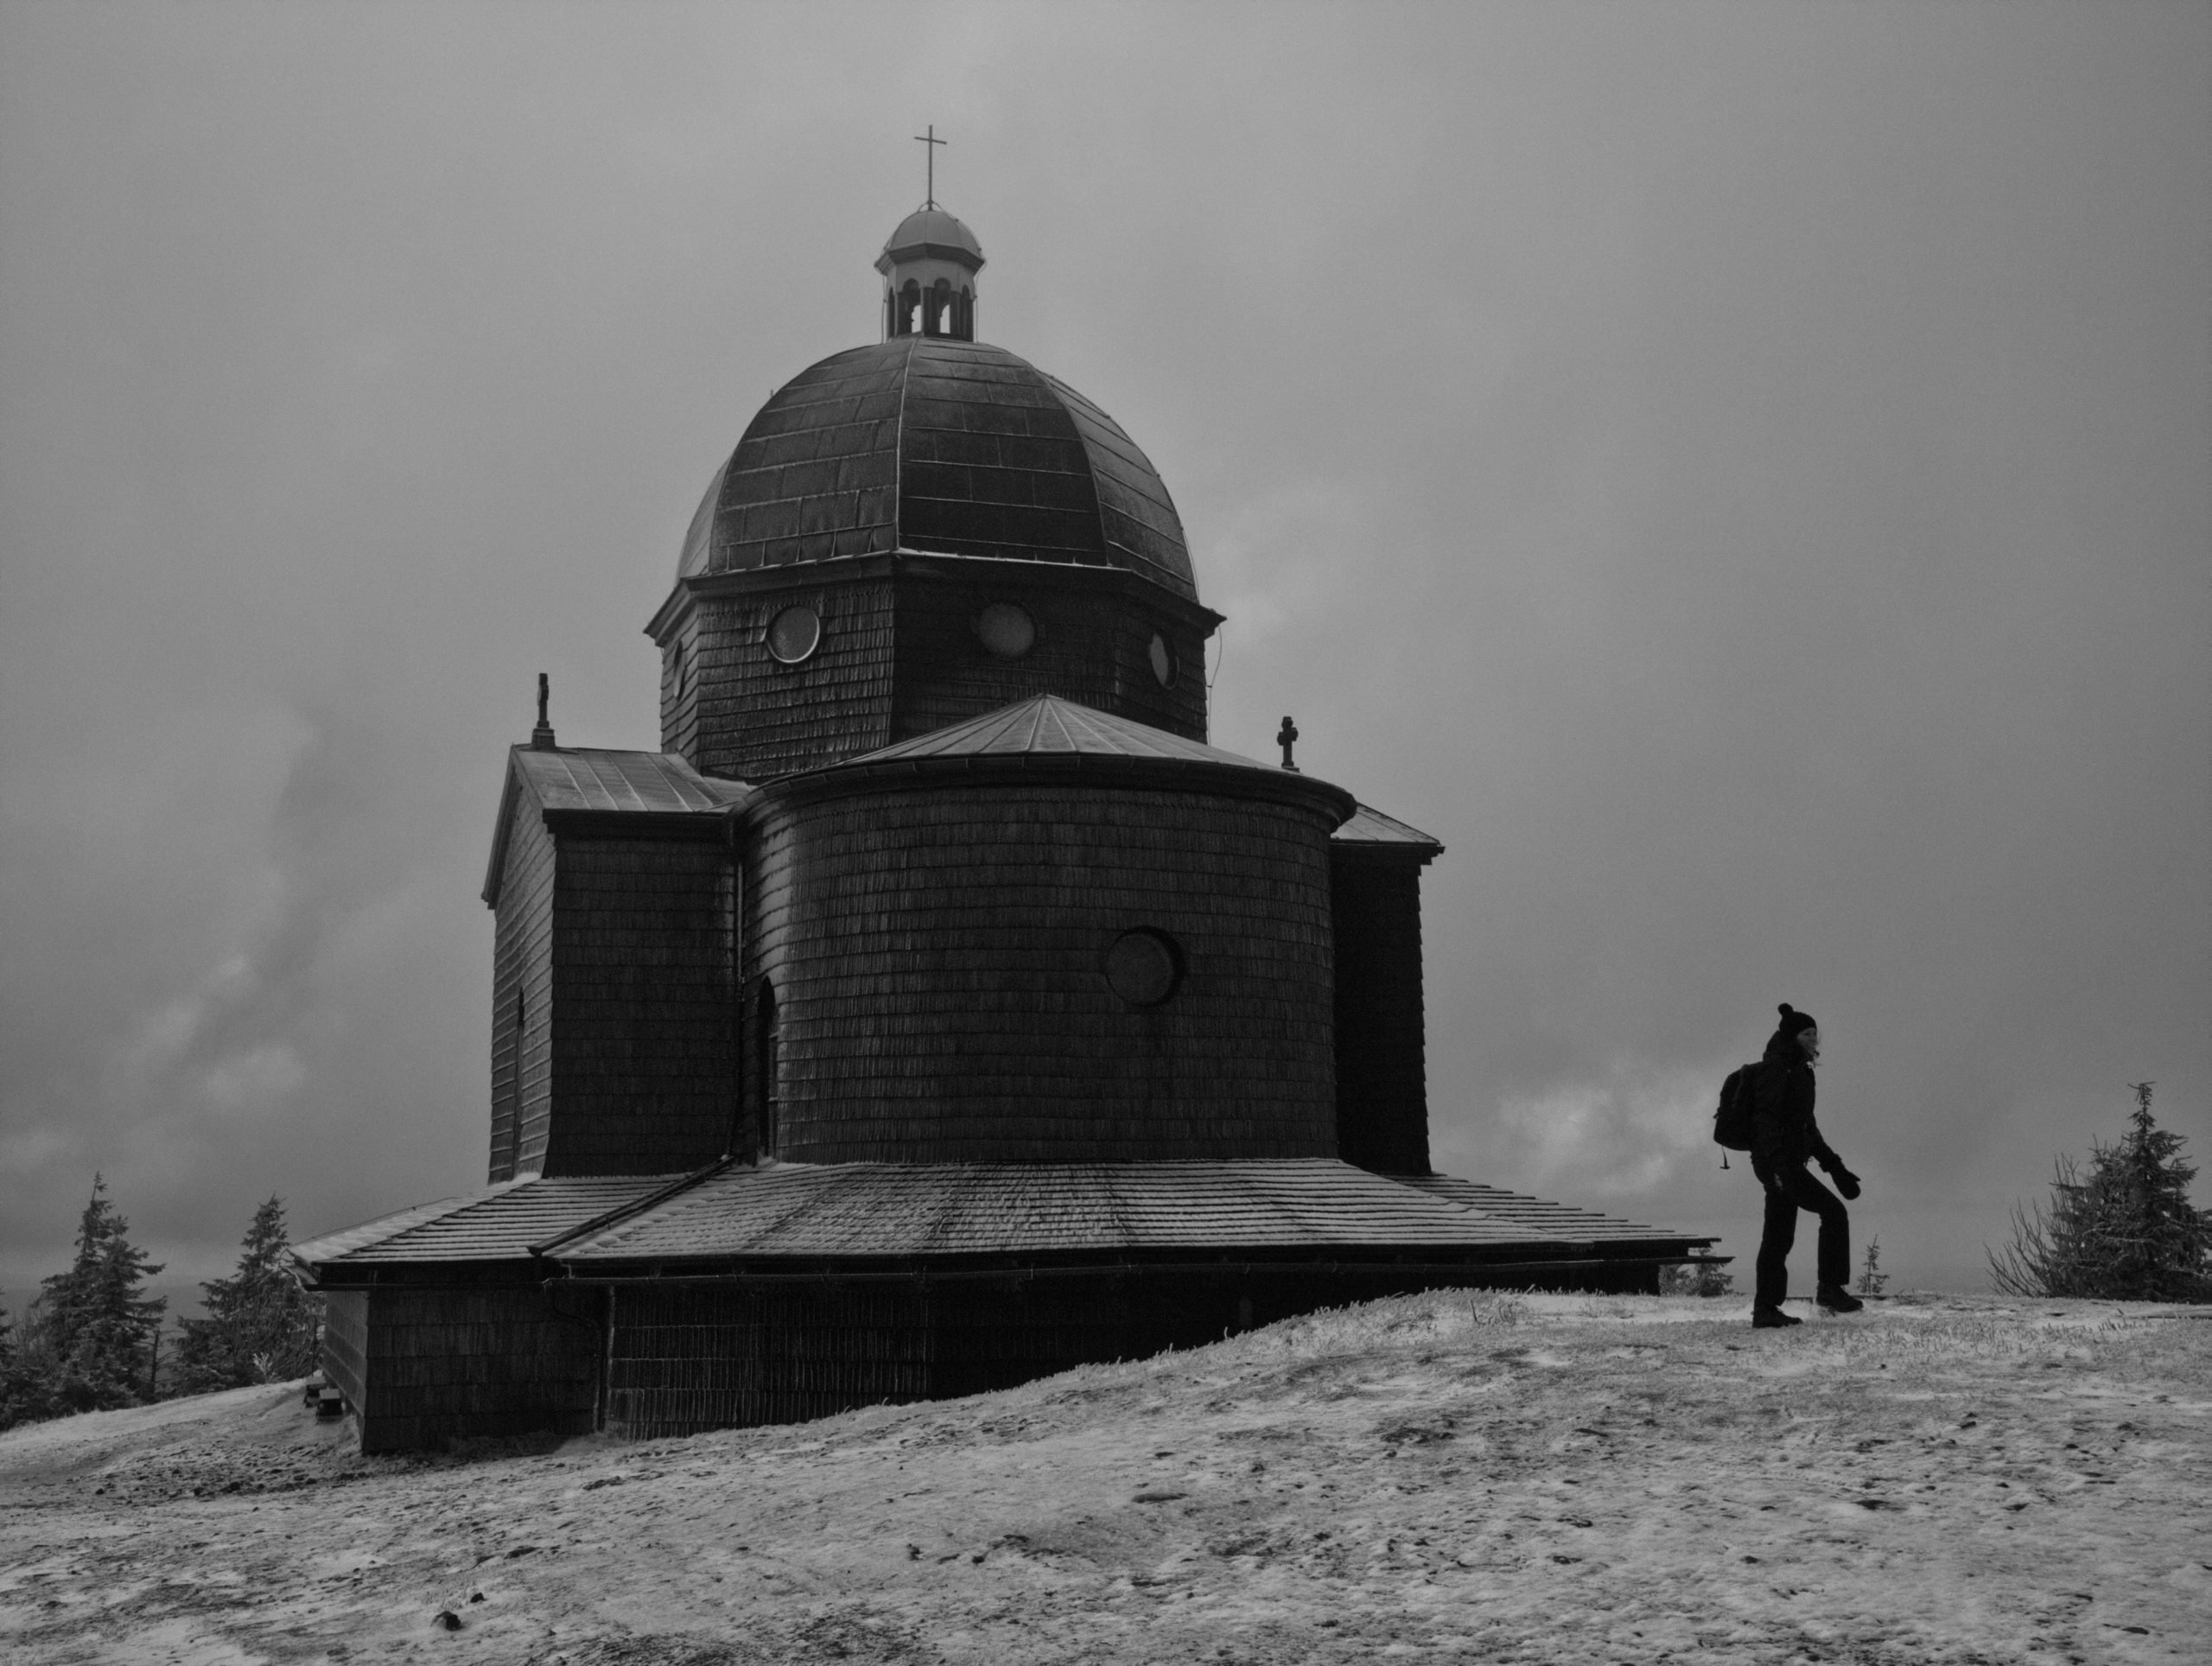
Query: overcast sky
[1737,474]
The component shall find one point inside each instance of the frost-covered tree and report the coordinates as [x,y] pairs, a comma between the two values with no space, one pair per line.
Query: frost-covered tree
[88,1340]
[260,1326]
[1694,1278]
[1872,1281]
[2125,1231]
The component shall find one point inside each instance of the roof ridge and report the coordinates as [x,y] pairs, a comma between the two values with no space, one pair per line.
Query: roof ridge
[608,1218]
[898,451]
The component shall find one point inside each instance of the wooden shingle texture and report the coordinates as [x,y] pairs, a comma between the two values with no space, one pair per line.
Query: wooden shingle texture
[500,1222]
[614,1022]
[912,1211]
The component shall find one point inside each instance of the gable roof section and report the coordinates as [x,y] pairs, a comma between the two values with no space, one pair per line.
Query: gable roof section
[1371,828]
[902,1211]
[602,781]
[501,1224]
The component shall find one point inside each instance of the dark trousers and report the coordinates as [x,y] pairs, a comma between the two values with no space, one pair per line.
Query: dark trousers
[1790,1187]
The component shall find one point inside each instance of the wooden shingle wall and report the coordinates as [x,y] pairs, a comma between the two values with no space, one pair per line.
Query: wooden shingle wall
[759,719]
[938,954]
[679,691]
[644,1011]
[424,1367]
[1093,646]
[1382,1085]
[522,988]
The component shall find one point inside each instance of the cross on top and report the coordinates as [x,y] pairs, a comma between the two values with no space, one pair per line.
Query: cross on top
[931,140]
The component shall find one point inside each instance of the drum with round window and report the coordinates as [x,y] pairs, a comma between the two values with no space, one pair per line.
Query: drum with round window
[1006,630]
[794,635]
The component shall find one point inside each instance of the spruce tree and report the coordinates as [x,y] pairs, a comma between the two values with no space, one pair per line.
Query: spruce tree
[91,1336]
[2124,1231]
[260,1326]
[14,1401]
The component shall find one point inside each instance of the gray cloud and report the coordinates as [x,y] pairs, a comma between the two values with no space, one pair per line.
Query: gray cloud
[1733,473]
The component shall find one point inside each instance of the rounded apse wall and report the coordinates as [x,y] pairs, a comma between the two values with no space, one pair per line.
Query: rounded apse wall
[1048,970]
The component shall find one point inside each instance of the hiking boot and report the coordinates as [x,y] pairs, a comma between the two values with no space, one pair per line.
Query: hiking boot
[1839,1301]
[1772,1318]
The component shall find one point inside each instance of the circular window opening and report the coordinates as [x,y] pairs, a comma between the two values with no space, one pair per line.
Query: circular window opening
[1143,967]
[1163,661]
[794,635]
[1006,630]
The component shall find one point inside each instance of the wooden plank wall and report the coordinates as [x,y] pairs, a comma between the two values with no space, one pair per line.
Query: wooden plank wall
[688,1356]
[522,988]
[1382,1083]
[644,1039]
[346,1345]
[444,1365]
[724,1354]
[937,953]
[1091,647]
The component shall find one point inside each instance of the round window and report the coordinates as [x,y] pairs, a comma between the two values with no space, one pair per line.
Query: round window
[1143,967]
[1006,630]
[794,635]
[1163,661]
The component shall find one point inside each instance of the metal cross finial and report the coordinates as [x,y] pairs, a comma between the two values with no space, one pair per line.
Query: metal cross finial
[931,140]
[1286,737]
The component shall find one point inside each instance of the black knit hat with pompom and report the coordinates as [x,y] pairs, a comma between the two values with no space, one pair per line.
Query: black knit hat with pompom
[1795,1022]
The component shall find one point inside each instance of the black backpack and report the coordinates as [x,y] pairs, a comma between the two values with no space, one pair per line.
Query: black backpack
[1732,1123]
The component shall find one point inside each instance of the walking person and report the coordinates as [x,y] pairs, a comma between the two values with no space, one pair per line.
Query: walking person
[1784,1138]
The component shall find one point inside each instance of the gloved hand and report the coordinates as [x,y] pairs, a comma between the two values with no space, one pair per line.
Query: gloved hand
[1846,1182]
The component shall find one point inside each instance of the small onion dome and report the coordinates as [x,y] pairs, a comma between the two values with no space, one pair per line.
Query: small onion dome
[936,446]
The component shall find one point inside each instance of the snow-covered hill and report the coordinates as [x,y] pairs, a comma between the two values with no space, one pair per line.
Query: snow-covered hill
[1544,1479]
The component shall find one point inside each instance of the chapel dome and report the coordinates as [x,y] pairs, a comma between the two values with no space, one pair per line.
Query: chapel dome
[932,444]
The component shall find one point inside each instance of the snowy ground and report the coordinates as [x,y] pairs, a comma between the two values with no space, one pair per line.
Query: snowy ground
[1552,1479]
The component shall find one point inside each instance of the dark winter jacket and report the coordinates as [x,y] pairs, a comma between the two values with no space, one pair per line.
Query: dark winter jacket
[1783,1129]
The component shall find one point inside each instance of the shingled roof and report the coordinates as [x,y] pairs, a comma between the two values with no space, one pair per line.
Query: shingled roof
[737,1215]
[501,1224]
[905,1210]
[1499,1205]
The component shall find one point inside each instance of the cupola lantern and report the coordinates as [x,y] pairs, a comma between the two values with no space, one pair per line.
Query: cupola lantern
[929,271]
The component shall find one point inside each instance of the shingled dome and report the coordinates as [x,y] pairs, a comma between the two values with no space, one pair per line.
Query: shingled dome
[932,444]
